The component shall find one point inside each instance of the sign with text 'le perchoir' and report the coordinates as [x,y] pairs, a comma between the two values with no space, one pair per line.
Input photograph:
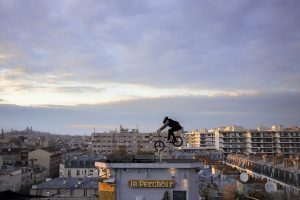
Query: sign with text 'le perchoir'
[151,183]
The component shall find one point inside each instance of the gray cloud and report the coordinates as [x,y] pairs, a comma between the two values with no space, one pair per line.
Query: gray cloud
[193,113]
[232,45]
[255,44]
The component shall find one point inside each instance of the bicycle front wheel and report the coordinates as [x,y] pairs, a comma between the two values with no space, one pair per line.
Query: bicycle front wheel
[159,145]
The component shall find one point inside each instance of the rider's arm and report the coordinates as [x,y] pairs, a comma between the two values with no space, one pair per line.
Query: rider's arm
[164,126]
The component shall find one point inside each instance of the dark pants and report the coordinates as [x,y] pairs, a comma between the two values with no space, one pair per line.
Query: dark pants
[172,130]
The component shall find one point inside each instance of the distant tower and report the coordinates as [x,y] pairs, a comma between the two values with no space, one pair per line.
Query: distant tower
[2,134]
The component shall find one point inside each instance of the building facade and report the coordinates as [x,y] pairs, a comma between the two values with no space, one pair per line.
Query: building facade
[16,179]
[80,166]
[147,181]
[202,139]
[234,139]
[67,189]
[14,156]
[132,141]
[50,158]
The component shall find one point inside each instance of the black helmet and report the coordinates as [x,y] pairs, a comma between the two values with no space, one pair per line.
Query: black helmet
[165,119]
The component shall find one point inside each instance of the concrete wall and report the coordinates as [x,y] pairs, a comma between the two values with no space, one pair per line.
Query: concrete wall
[16,181]
[40,157]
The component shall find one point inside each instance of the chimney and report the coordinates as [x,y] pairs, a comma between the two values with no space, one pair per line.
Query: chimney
[258,157]
[264,157]
[277,160]
[268,159]
[252,157]
[65,181]
[288,163]
[79,181]
[296,163]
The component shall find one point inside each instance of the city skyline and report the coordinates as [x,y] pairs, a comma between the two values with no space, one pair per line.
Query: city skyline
[70,66]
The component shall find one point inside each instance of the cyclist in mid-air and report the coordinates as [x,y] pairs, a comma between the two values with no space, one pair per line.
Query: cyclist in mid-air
[175,126]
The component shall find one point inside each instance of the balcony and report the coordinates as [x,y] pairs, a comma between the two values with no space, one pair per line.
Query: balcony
[256,136]
[268,135]
[285,141]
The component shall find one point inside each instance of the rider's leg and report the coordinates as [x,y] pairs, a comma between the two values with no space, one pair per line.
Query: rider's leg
[171,132]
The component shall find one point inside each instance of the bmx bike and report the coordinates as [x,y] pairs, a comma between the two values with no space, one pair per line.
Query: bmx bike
[159,145]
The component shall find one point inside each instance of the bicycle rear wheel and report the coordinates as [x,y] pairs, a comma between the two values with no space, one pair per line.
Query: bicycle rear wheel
[178,141]
[159,145]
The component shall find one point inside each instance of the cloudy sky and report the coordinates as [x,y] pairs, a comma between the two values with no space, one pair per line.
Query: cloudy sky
[71,66]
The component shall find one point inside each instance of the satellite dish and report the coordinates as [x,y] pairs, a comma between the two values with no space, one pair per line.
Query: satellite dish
[270,187]
[244,177]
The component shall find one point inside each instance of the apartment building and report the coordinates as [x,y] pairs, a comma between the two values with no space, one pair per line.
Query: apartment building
[80,166]
[193,138]
[262,142]
[202,139]
[50,158]
[106,143]
[133,141]
[287,142]
[14,156]
[232,141]
[235,139]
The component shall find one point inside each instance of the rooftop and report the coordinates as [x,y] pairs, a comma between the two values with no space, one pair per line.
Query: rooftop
[83,161]
[70,182]
[184,164]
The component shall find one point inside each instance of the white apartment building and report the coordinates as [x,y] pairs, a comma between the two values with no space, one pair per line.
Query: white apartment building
[80,166]
[202,139]
[133,141]
[287,142]
[232,141]
[235,139]
[106,143]
[261,142]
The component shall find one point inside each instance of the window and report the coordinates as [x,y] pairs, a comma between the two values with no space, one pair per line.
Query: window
[69,173]
[71,192]
[78,172]
[179,195]
[85,192]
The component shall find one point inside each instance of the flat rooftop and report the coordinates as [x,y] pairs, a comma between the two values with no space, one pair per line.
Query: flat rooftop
[68,183]
[165,164]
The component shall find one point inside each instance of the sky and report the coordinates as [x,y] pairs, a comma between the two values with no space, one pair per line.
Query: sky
[69,66]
